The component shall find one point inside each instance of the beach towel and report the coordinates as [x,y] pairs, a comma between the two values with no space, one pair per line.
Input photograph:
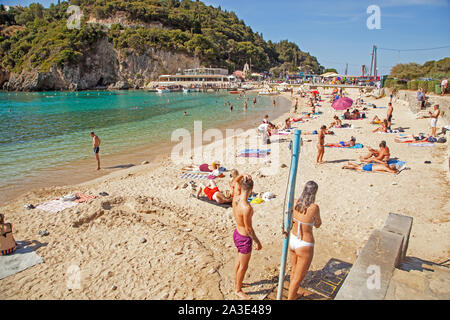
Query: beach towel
[222,205]
[83,197]
[197,176]
[356,146]
[254,153]
[421,144]
[23,258]
[283,133]
[56,206]
[400,165]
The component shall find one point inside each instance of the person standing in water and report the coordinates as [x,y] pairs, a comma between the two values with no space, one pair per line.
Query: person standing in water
[243,235]
[96,145]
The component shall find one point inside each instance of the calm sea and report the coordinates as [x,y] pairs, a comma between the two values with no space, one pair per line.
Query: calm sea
[41,130]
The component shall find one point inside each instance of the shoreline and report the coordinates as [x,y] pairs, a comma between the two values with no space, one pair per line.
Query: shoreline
[80,171]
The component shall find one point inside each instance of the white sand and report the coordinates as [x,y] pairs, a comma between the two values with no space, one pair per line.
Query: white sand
[189,253]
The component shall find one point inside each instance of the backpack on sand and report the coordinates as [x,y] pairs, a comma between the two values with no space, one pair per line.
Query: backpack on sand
[7,243]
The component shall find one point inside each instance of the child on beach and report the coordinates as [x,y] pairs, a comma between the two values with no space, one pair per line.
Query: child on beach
[243,235]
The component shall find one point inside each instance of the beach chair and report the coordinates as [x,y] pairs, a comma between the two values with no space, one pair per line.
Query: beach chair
[7,243]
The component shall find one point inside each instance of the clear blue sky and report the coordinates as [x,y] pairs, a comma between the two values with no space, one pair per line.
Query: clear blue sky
[335,31]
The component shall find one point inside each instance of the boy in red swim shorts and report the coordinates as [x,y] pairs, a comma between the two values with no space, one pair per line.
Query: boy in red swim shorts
[213,193]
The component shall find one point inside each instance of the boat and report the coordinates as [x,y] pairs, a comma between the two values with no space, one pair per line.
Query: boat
[236,92]
[162,90]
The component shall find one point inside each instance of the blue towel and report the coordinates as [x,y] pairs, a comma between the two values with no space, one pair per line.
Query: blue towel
[255,151]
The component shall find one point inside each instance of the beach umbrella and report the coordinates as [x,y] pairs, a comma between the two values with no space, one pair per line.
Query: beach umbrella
[315,91]
[342,103]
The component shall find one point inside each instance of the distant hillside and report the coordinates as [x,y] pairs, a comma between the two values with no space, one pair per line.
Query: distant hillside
[430,69]
[141,39]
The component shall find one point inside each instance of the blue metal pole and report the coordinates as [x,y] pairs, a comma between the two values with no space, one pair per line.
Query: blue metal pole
[290,205]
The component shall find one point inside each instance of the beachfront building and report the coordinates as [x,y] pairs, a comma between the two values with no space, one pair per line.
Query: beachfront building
[198,75]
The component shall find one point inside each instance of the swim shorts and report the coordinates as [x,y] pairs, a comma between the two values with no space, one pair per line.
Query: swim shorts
[210,192]
[342,143]
[96,149]
[368,167]
[242,243]
[433,122]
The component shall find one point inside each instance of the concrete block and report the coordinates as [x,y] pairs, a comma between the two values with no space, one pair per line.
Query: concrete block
[401,225]
[371,274]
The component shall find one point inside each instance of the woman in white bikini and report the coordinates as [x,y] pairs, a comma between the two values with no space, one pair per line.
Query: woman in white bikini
[301,243]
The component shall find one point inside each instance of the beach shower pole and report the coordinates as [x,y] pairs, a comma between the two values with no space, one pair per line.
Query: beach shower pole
[290,205]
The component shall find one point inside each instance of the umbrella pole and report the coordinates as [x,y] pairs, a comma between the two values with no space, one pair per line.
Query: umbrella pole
[290,205]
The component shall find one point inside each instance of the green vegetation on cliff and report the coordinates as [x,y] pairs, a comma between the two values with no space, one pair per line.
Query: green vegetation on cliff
[430,69]
[36,37]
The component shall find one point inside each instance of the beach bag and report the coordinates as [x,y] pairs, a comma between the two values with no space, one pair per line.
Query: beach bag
[442,140]
[432,139]
[7,243]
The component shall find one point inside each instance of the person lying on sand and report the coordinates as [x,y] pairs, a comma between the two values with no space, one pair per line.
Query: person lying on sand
[410,138]
[380,156]
[350,143]
[244,234]
[347,114]
[203,167]
[383,127]
[213,193]
[371,167]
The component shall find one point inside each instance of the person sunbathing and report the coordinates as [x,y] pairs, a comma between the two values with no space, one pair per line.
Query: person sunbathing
[213,193]
[383,127]
[371,167]
[203,167]
[350,143]
[411,138]
[380,156]
[375,120]
[287,124]
[336,123]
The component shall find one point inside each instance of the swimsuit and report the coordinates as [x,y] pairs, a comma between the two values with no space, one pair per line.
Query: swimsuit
[368,167]
[210,192]
[296,241]
[96,149]
[204,168]
[242,243]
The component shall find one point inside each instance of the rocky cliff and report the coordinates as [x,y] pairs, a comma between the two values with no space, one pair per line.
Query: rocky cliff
[103,67]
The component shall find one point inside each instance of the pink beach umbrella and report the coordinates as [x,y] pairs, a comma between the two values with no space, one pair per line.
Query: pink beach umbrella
[342,103]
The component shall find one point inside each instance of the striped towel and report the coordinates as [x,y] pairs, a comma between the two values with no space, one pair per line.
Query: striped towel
[197,176]
[356,146]
[56,206]
[83,197]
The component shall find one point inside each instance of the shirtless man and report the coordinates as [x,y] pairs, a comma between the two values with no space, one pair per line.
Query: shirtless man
[380,156]
[389,115]
[96,145]
[321,144]
[244,235]
[434,117]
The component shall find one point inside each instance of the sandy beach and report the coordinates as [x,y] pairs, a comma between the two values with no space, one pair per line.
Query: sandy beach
[188,252]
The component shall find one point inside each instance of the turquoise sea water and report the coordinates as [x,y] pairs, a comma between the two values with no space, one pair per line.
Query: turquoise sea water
[40,130]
